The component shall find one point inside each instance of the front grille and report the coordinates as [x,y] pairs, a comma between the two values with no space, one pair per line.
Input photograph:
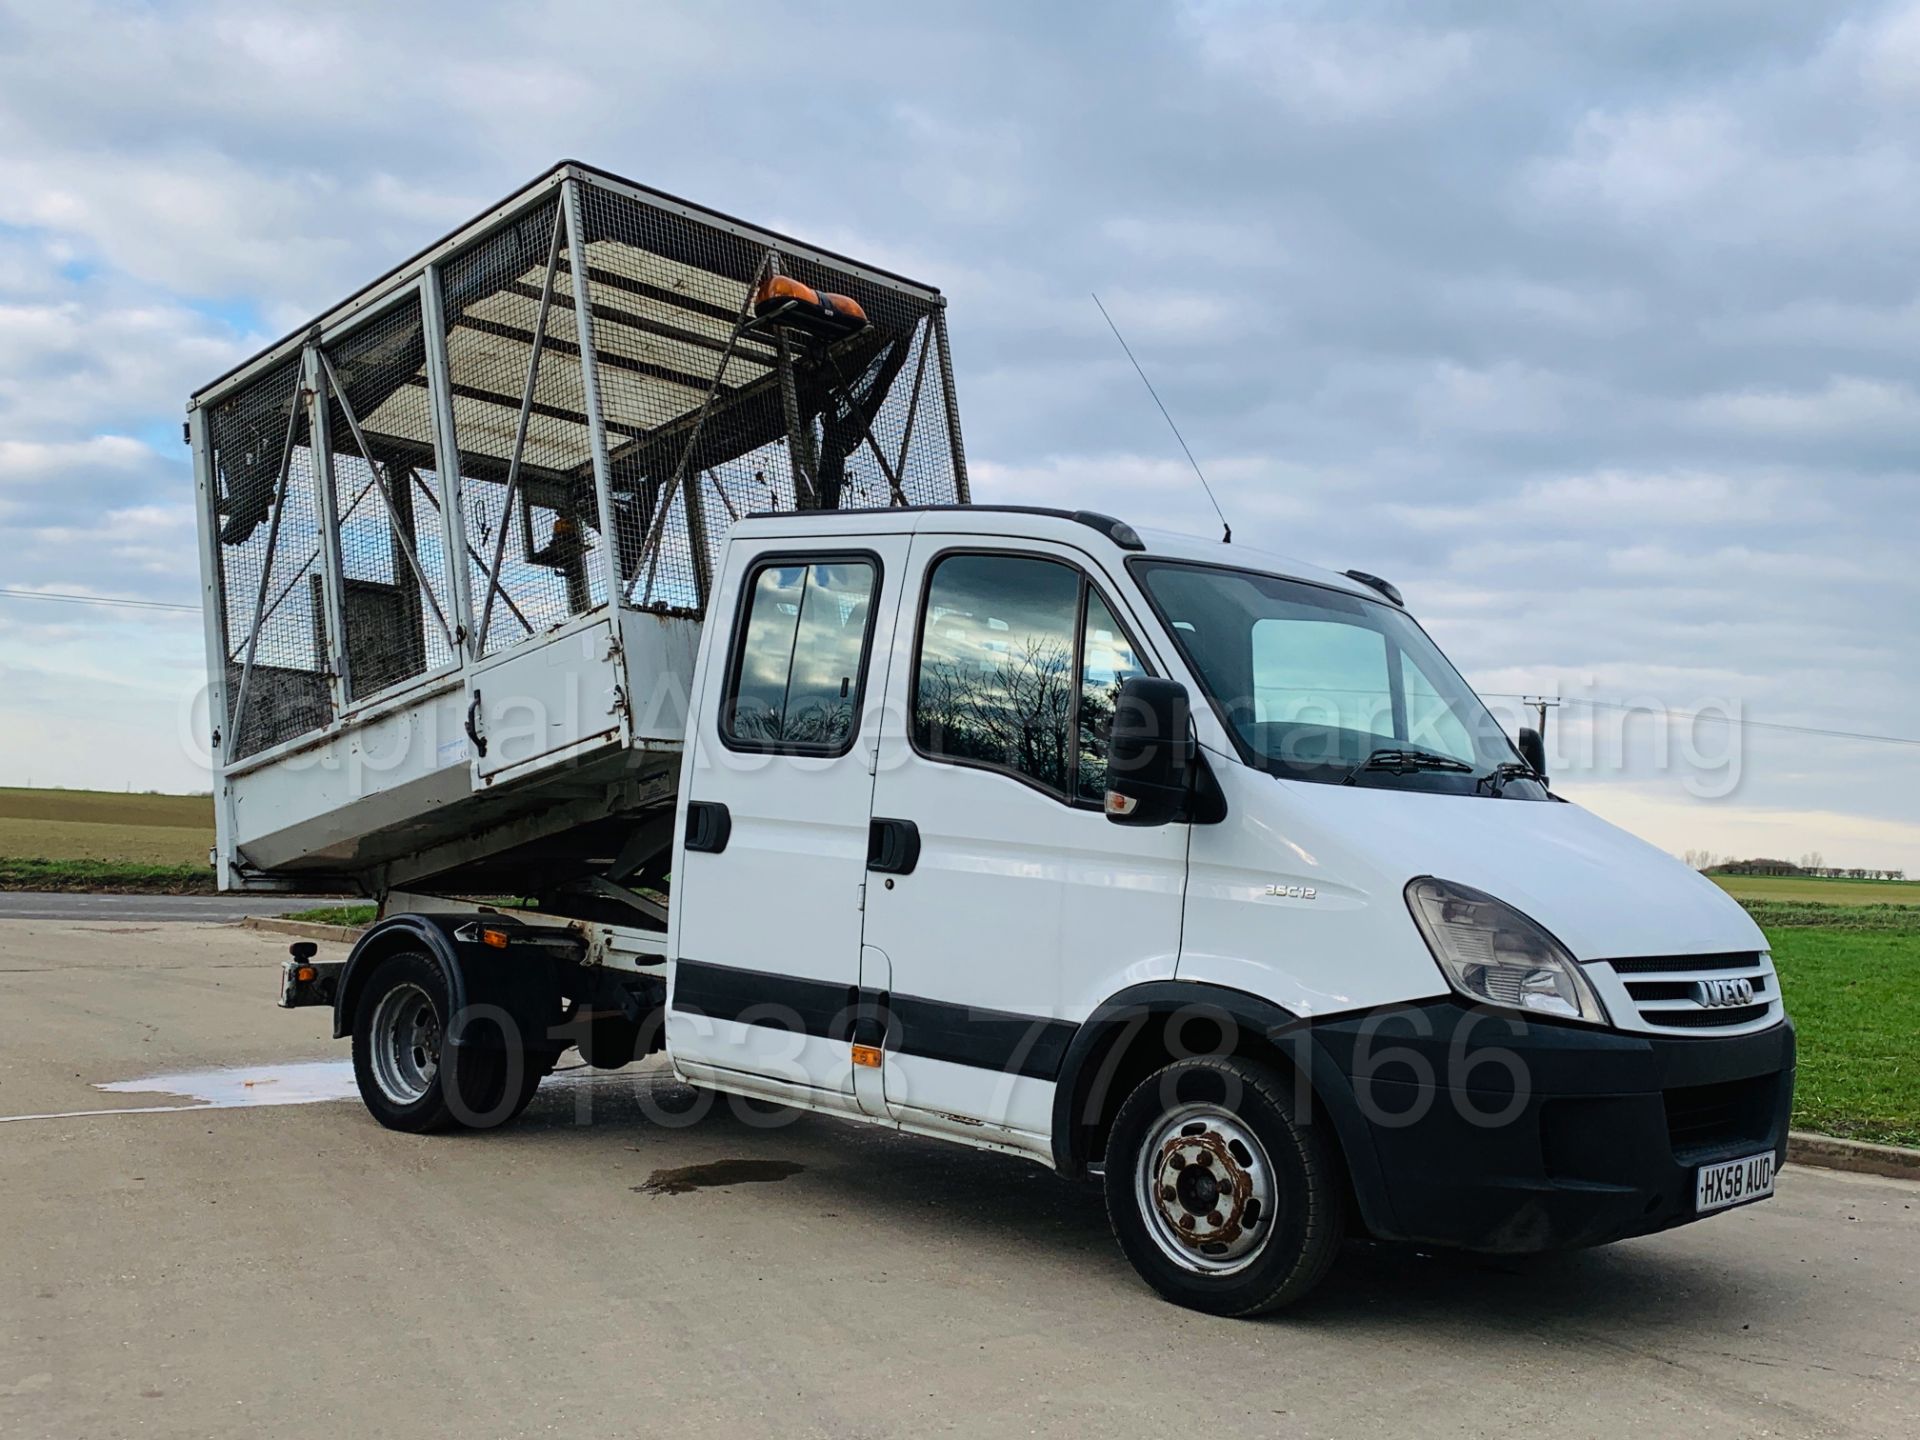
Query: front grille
[1661,964]
[1708,1019]
[1681,989]
[1732,1112]
[1665,990]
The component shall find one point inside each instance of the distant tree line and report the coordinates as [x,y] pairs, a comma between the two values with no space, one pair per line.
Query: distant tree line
[1812,865]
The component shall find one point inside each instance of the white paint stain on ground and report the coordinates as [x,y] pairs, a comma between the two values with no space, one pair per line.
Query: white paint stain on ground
[302,1082]
[298,1082]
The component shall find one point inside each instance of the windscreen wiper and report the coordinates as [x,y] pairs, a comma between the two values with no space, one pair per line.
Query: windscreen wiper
[1495,780]
[1406,762]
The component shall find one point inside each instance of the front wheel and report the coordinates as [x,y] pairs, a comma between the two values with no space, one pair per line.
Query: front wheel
[1223,1198]
[409,1078]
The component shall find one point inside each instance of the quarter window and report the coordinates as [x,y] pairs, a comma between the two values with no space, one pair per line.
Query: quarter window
[801,658]
[1020,661]
[1107,662]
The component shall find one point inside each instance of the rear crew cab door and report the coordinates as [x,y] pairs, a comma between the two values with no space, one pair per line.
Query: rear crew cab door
[772,848]
[1024,907]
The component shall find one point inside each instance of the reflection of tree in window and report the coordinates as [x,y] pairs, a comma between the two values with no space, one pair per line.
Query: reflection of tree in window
[799,663]
[1107,663]
[996,664]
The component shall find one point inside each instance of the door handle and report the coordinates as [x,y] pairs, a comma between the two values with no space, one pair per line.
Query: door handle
[473,726]
[709,825]
[893,846]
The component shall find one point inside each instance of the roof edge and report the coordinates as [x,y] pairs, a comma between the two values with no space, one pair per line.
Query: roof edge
[497,213]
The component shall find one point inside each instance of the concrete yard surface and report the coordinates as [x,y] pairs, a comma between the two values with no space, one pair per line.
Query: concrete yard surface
[246,1268]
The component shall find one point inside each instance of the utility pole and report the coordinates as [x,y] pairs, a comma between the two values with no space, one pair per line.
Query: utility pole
[1541,704]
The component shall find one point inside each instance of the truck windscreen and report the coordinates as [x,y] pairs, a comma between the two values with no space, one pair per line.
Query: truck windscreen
[1322,685]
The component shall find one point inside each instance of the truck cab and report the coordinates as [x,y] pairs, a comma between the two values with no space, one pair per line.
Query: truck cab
[1202,871]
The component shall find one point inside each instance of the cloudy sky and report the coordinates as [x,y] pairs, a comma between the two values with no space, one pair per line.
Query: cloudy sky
[1596,332]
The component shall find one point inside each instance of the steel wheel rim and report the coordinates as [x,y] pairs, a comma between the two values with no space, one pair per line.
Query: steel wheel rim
[1206,1189]
[405,1044]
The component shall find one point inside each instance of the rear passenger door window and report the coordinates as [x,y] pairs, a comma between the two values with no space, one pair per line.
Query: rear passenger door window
[800,656]
[1018,665]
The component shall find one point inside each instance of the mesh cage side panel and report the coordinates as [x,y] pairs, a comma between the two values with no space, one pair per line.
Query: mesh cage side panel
[267,570]
[698,433]
[550,567]
[397,594]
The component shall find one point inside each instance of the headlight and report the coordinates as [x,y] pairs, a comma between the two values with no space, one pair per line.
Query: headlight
[1492,953]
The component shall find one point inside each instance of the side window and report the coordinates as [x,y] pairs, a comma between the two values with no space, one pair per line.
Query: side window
[1107,662]
[800,660]
[997,668]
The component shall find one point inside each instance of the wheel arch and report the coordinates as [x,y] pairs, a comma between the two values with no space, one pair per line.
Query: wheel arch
[431,935]
[1144,1027]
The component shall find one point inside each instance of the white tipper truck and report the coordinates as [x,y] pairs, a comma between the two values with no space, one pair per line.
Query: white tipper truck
[1166,862]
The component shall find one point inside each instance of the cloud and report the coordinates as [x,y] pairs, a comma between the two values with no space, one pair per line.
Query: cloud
[68,365]
[1882,53]
[1338,71]
[1647,165]
[1593,328]
[1845,405]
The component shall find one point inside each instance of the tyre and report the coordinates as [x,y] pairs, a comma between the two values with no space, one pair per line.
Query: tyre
[407,1075]
[1222,1199]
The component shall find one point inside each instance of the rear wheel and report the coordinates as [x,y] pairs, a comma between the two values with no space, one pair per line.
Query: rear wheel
[1223,1199]
[410,1078]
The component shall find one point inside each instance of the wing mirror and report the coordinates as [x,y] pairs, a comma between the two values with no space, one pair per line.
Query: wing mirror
[1532,750]
[1150,753]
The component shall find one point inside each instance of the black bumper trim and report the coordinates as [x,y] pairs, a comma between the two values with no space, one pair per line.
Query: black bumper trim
[1492,1132]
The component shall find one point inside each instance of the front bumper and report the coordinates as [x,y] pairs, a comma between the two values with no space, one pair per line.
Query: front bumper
[1488,1131]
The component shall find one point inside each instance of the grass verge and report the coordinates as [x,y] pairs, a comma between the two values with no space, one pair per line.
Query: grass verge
[105,875]
[336,915]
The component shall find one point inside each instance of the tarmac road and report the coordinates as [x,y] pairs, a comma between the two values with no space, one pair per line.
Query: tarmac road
[297,1271]
[84,906]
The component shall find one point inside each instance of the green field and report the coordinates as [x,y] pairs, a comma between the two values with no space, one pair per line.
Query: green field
[1819,892]
[97,839]
[1853,989]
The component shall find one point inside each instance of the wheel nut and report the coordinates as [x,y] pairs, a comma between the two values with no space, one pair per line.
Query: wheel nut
[1206,1158]
[1177,1161]
[1216,1219]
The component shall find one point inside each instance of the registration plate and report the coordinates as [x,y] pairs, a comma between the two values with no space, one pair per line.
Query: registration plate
[1733,1182]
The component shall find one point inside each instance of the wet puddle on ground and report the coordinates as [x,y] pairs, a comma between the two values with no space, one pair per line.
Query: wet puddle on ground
[716,1174]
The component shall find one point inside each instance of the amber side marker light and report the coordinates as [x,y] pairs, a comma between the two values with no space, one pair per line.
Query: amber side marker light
[497,939]
[868,1056]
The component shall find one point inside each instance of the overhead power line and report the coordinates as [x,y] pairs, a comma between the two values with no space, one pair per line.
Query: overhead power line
[1722,719]
[64,598]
